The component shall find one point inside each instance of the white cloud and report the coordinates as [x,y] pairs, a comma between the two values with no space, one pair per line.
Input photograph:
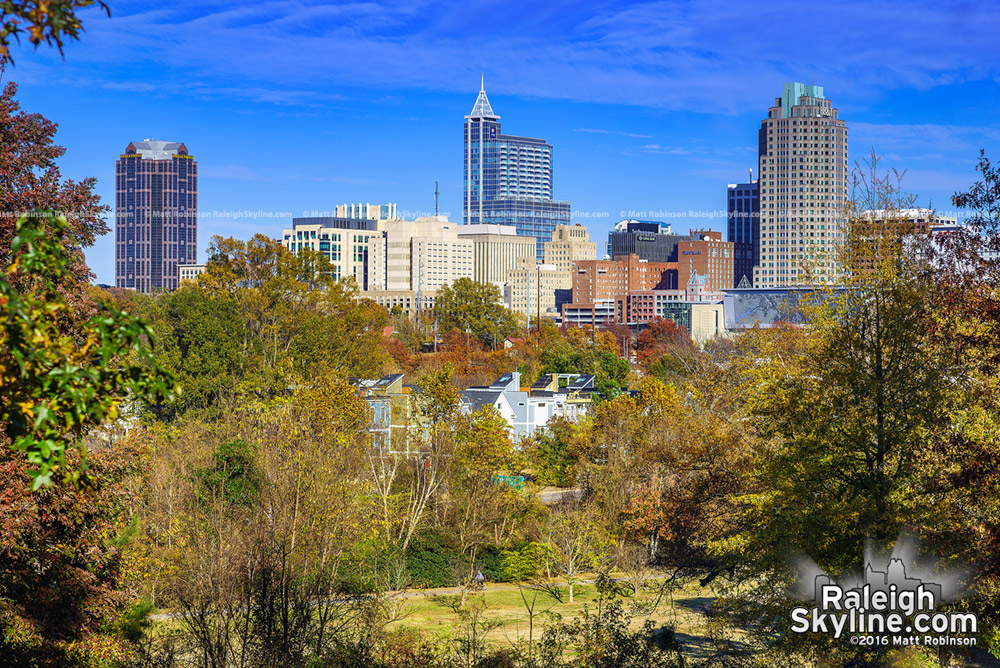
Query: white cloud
[714,56]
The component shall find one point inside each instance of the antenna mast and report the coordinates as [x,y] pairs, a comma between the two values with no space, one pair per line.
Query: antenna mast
[435,198]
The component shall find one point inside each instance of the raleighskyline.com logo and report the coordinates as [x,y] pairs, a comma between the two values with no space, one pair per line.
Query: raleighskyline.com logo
[883,606]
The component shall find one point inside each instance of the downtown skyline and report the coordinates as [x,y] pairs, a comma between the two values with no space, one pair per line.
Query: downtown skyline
[643,117]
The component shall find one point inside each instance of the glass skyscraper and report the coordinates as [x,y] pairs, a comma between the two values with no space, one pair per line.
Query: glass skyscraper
[743,209]
[508,179]
[156,215]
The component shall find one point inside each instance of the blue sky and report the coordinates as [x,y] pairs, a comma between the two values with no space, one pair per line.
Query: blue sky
[297,106]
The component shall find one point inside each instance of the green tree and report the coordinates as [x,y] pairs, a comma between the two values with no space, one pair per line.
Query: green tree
[476,308]
[855,411]
[55,387]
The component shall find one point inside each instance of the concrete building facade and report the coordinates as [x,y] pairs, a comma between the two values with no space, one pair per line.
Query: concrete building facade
[496,249]
[569,244]
[532,288]
[354,246]
[803,179]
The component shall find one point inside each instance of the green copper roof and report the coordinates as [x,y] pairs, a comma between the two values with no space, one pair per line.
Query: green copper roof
[791,93]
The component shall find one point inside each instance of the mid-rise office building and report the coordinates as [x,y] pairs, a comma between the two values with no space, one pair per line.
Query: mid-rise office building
[705,254]
[426,253]
[599,280]
[650,240]
[508,179]
[354,246]
[387,255]
[368,211]
[743,209]
[496,249]
[156,215]
[802,147]
[569,244]
[531,288]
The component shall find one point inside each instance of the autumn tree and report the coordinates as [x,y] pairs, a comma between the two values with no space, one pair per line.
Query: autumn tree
[62,562]
[476,308]
[43,22]
[55,387]
[482,510]
[260,318]
[579,542]
[852,412]
[30,181]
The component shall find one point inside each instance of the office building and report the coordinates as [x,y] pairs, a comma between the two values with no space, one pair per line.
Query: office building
[697,308]
[387,255]
[802,147]
[743,213]
[354,246]
[508,179]
[531,288]
[706,254]
[403,301]
[190,272]
[426,253]
[599,280]
[649,240]
[368,211]
[496,250]
[156,215]
[569,244]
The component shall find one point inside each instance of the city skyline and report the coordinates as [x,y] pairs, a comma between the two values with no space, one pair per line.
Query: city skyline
[643,117]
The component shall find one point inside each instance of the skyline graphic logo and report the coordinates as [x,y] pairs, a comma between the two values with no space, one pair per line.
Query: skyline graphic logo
[893,601]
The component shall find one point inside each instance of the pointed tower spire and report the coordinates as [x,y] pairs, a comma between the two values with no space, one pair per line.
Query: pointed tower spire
[482,109]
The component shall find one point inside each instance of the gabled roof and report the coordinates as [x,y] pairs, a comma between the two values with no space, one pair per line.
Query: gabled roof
[506,381]
[478,398]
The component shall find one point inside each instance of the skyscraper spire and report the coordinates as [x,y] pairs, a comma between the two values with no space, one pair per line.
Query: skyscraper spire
[482,108]
[482,83]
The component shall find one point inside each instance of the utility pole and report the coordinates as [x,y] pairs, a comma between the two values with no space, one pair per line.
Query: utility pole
[538,298]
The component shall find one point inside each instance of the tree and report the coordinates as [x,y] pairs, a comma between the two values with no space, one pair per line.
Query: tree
[476,308]
[30,181]
[482,510]
[579,543]
[50,22]
[62,562]
[54,387]
[854,412]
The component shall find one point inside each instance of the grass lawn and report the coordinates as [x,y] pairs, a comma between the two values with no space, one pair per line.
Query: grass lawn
[436,615]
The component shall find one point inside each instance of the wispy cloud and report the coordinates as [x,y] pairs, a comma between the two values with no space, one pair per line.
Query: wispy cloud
[670,150]
[711,56]
[598,131]
[922,141]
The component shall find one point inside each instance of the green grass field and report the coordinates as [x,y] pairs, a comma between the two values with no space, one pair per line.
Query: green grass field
[436,614]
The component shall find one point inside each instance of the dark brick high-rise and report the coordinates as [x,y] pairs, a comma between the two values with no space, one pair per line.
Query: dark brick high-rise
[156,215]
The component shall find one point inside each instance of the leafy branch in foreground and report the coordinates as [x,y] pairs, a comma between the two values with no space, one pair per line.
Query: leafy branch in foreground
[57,381]
[47,21]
